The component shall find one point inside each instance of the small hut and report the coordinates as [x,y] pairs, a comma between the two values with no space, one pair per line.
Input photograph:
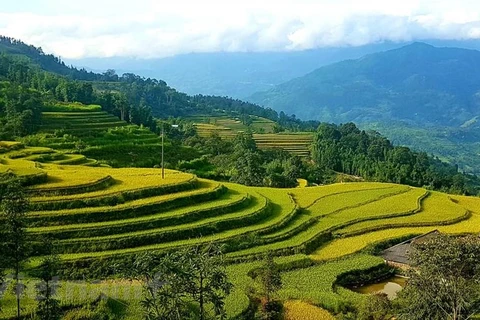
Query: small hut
[397,255]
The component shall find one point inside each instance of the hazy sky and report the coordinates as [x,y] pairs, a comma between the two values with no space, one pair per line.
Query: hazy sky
[146,28]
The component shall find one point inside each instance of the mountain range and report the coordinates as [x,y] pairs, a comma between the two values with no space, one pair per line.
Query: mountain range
[241,74]
[418,84]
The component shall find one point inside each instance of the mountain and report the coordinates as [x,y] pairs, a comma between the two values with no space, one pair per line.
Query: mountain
[419,84]
[241,74]
[234,74]
[47,62]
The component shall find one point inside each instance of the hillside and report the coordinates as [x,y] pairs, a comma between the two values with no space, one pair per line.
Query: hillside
[263,130]
[136,100]
[419,84]
[103,216]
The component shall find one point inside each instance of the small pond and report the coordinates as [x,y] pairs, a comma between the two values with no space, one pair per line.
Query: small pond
[389,286]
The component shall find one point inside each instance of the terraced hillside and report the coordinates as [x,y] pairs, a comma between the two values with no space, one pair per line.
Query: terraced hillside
[295,143]
[228,128]
[75,128]
[77,118]
[97,214]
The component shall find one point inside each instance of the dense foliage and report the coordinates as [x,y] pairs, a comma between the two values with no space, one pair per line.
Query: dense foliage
[345,148]
[20,110]
[445,283]
[241,161]
[187,284]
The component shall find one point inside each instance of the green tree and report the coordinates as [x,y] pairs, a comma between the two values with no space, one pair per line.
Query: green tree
[270,282]
[248,169]
[14,247]
[445,280]
[270,278]
[48,308]
[184,285]
[376,307]
[206,282]
[163,287]
[244,142]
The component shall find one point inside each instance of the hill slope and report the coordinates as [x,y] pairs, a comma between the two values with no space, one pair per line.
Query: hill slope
[106,216]
[419,83]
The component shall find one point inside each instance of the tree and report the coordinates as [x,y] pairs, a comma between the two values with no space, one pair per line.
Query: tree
[248,169]
[48,307]
[163,294]
[376,307]
[270,281]
[270,277]
[206,281]
[184,284]
[445,280]
[14,247]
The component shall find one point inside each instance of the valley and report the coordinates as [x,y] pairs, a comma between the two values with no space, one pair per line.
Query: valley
[121,181]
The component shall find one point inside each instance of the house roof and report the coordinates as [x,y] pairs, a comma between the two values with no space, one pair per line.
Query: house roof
[399,253]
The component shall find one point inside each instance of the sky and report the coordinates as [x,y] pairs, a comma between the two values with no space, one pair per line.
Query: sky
[76,29]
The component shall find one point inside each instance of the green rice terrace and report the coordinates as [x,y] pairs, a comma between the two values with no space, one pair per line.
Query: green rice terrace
[97,214]
[77,118]
[264,136]
[81,133]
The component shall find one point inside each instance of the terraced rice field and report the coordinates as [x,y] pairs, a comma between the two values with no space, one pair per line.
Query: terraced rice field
[75,122]
[227,128]
[97,213]
[295,143]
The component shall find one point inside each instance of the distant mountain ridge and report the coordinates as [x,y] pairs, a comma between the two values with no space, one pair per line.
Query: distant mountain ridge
[233,74]
[419,83]
[241,74]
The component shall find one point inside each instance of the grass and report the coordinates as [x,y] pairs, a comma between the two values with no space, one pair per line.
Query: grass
[72,107]
[237,302]
[335,203]
[276,216]
[75,117]
[131,205]
[129,292]
[333,217]
[227,128]
[231,218]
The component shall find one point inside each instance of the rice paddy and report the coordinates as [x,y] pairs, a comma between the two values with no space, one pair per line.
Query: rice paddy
[98,213]
[263,129]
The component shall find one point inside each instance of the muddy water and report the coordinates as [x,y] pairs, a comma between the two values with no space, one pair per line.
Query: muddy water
[389,286]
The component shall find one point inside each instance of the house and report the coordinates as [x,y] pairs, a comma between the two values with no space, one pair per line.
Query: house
[397,255]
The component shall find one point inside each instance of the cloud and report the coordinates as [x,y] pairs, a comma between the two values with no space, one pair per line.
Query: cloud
[147,28]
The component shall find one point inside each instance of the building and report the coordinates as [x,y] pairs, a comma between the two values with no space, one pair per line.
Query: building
[397,255]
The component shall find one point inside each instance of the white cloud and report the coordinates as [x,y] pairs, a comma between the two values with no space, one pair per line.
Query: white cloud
[148,28]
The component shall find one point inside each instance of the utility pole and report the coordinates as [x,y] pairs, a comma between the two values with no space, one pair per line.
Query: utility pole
[163,168]
[163,133]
